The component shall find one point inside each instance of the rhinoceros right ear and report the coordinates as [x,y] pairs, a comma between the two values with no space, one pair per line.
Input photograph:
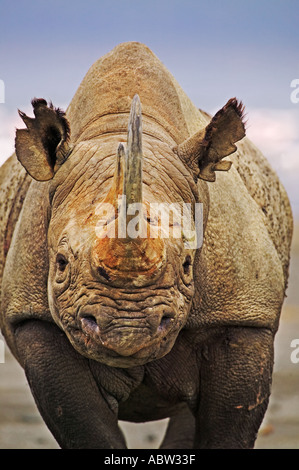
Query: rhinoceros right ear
[203,152]
[44,144]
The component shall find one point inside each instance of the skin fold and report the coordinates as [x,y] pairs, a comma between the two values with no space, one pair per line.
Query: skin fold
[143,328]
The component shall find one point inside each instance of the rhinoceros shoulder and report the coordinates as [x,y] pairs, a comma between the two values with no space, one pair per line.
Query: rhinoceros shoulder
[14,183]
[267,191]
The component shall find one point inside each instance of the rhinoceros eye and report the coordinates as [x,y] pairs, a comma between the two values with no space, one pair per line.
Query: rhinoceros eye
[61,262]
[187,264]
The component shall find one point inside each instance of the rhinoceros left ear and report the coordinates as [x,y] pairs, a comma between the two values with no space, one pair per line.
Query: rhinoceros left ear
[204,151]
[44,144]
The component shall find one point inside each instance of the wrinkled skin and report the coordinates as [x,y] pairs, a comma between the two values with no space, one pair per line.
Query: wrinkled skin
[139,310]
[142,329]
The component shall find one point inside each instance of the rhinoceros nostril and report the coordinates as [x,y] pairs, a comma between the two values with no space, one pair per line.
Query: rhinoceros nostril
[90,319]
[165,321]
[89,323]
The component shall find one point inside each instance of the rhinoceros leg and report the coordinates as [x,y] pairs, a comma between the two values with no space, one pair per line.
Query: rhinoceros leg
[64,389]
[235,388]
[180,431]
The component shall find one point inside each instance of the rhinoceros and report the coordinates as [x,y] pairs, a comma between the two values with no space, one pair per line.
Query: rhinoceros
[137,327]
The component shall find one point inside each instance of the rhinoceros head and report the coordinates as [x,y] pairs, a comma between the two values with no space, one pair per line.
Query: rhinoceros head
[121,280]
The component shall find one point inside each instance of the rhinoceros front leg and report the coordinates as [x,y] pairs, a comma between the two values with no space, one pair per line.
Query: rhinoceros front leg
[235,387]
[64,389]
[180,431]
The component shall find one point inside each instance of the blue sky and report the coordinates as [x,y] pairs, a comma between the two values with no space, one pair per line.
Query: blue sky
[215,49]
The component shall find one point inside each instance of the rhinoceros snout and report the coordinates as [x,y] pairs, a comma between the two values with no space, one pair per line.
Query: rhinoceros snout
[97,320]
[125,333]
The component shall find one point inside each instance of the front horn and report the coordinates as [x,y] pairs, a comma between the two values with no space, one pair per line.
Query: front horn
[132,181]
[133,167]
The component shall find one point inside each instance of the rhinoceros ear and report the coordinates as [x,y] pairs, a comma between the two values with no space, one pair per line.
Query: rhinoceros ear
[204,151]
[44,144]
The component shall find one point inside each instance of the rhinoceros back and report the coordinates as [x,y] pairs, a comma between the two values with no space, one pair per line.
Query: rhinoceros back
[102,101]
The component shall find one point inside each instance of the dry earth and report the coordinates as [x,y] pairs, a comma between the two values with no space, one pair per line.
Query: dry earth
[21,426]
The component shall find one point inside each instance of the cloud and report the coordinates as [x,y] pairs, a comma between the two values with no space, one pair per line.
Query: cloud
[9,122]
[276,133]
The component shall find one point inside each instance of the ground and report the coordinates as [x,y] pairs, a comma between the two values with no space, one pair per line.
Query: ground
[21,426]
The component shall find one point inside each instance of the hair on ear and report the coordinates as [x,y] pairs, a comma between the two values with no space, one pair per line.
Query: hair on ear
[44,144]
[204,151]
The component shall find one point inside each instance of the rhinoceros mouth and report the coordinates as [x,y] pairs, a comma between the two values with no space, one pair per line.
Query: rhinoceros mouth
[125,342]
[127,335]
